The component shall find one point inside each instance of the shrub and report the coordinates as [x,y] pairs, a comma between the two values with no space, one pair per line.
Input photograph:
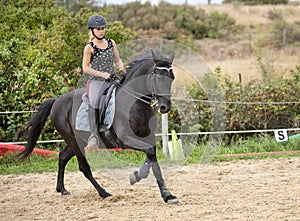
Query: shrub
[261,112]
[40,56]
[285,33]
[172,21]
[257,2]
[219,25]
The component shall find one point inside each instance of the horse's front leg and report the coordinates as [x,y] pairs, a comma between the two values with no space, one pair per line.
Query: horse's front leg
[151,161]
[142,173]
[165,193]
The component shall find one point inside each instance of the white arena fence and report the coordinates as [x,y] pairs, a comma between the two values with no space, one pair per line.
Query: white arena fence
[165,132]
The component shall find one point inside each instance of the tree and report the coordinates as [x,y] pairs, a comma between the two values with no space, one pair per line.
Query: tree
[40,54]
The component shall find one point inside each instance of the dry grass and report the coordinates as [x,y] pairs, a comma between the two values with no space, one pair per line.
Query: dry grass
[258,14]
[279,63]
[235,55]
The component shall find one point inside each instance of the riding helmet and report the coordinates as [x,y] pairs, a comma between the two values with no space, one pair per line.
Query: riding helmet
[96,21]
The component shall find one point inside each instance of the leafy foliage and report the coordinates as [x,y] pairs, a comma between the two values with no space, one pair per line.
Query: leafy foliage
[284,32]
[220,25]
[172,21]
[258,2]
[265,104]
[41,51]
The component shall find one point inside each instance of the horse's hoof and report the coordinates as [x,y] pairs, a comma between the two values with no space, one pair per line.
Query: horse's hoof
[64,192]
[174,201]
[105,195]
[134,178]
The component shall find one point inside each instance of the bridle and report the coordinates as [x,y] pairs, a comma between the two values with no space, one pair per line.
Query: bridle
[163,68]
[152,79]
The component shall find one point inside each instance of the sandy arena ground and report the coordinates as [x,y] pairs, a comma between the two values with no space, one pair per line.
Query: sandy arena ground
[241,190]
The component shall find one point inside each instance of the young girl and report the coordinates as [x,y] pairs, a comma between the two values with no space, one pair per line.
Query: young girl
[98,62]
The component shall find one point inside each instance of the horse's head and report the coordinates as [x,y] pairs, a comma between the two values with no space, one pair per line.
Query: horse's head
[150,77]
[160,80]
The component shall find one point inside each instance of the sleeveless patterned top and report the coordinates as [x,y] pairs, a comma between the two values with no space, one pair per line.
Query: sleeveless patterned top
[102,59]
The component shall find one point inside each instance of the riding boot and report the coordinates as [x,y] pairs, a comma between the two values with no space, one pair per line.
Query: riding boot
[93,140]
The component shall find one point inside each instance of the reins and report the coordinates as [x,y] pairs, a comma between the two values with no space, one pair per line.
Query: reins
[154,95]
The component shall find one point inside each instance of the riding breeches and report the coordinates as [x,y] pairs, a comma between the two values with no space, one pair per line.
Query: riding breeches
[96,88]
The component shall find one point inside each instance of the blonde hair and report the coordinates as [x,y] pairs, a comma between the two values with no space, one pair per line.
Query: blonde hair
[92,37]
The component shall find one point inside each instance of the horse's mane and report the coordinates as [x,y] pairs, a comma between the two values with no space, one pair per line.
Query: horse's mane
[144,58]
[139,59]
[136,62]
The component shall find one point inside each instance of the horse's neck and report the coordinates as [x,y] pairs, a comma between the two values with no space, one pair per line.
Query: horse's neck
[142,68]
[137,79]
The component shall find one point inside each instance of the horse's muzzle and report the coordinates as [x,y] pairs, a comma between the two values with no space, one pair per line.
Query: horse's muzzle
[164,106]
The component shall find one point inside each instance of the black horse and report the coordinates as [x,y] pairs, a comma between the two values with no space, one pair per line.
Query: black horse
[147,79]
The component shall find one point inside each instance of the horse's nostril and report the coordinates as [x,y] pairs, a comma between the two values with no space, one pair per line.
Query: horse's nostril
[163,109]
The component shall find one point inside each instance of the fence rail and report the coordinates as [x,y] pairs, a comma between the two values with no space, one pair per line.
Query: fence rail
[165,132]
[181,134]
[193,100]
[238,102]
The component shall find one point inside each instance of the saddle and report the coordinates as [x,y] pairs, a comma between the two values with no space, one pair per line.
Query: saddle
[106,110]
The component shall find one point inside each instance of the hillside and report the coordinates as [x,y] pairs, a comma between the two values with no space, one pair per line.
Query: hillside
[239,53]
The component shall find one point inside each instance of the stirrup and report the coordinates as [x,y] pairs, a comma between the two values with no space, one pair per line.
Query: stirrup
[93,141]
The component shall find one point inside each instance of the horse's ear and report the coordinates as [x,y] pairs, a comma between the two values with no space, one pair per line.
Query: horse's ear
[171,58]
[154,54]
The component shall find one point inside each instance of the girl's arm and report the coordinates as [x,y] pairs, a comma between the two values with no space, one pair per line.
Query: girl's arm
[117,58]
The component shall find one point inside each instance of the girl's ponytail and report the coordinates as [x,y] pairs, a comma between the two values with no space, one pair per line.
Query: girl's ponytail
[91,37]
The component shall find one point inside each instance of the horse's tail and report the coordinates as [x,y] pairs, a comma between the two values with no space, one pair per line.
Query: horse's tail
[34,127]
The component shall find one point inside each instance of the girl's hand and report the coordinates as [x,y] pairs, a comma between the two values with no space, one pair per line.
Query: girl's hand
[122,69]
[111,78]
[106,75]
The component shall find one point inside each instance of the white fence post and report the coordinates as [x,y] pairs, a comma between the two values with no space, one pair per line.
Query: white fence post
[164,130]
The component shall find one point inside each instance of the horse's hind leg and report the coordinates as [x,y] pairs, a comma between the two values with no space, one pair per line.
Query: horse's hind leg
[64,156]
[85,169]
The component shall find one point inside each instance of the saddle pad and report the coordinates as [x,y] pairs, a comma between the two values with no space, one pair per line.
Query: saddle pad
[82,118]
[110,110]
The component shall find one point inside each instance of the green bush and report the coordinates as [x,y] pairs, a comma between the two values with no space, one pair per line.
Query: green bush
[257,2]
[285,33]
[40,56]
[219,25]
[259,105]
[172,21]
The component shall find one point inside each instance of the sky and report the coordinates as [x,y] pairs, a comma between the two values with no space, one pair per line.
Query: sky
[191,2]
